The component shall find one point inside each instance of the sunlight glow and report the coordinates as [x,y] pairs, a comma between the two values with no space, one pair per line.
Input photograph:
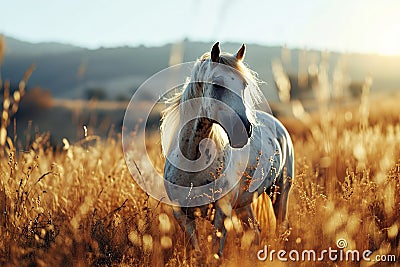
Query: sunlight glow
[364,26]
[375,28]
[389,41]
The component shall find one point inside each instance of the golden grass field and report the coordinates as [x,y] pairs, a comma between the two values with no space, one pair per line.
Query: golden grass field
[80,206]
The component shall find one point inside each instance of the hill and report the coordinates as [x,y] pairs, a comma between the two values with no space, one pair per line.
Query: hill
[69,71]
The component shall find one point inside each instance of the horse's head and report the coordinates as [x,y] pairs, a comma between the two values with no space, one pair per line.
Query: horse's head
[223,95]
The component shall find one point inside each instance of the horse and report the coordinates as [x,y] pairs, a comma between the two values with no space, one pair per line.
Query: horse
[221,152]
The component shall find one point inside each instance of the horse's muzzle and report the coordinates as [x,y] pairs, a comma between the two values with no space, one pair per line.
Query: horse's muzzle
[237,127]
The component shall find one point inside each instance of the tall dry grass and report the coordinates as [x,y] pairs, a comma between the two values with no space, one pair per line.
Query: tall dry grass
[80,206]
[11,100]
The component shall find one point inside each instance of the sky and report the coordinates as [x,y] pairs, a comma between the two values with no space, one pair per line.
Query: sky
[365,26]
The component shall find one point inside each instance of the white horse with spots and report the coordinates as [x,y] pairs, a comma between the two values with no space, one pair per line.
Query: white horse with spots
[221,151]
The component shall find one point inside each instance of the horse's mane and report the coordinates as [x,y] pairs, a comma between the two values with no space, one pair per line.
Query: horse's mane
[192,89]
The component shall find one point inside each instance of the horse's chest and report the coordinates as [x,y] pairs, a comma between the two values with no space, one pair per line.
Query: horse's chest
[195,189]
[186,178]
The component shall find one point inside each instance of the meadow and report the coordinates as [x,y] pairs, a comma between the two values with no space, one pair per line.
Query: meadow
[78,204]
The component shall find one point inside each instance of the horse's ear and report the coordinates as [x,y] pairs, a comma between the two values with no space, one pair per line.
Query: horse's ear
[215,51]
[241,52]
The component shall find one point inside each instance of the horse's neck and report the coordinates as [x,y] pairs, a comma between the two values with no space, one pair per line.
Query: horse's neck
[190,136]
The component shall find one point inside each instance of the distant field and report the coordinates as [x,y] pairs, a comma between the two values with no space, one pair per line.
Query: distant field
[80,206]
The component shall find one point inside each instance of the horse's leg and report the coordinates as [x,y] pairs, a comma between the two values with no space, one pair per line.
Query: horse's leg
[246,215]
[280,204]
[284,183]
[223,210]
[280,199]
[188,226]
